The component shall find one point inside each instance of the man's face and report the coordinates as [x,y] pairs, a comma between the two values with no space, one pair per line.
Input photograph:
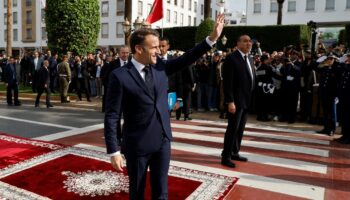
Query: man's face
[36,55]
[124,53]
[12,61]
[149,51]
[245,44]
[163,47]
[46,63]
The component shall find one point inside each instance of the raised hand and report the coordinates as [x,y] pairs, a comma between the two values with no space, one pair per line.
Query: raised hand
[218,27]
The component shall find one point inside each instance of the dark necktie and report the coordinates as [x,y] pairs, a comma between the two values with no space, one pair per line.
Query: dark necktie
[124,63]
[246,63]
[149,80]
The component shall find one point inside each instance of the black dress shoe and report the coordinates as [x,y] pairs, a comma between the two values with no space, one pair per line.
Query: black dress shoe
[322,131]
[228,163]
[330,133]
[37,105]
[49,106]
[187,118]
[239,158]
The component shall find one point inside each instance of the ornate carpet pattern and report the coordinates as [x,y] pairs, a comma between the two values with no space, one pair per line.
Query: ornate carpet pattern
[41,170]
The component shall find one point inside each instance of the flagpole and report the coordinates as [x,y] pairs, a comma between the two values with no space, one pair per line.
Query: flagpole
[162,25]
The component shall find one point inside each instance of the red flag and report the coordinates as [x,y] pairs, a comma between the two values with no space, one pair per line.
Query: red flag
[156,12]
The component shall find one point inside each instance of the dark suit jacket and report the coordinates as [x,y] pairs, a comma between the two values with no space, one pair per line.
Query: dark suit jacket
[238,84]
[43,77]
[107,69]
[40,64]
[146,119]
[9,74]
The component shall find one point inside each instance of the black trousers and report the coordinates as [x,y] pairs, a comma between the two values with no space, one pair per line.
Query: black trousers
[186,104]
[12,85]
[83,86]
[328,108]
[158,163]
[41,90]
[234,132]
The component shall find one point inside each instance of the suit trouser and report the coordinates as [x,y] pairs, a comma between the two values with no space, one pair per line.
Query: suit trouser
[158,163]
[234,132]
[12,85]
[186,104]
[83,85]
[329,116]
[40,92]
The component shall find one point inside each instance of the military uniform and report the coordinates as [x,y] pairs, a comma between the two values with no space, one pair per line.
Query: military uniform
[344,101]
[64,74]
[290,89]
[264,91]
[327,95]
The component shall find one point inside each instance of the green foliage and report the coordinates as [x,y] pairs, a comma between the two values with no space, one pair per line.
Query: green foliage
[271,37]
[347,34]
[204,29]
[72,25]
[342,36]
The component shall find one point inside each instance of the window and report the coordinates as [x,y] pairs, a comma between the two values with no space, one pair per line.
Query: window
[330,4]
[168,1]
[168,15]
[195,21]
[43,33]
[181,19]
[104,9]
[175,17]
[257,6]
[273,6]
[43,15]
[347,4]
[202,9]
[15,34]
[292,6]
[29,17]
[310,5]
[5,3]
[15,18]
[29,34]
[5,34]
[5,18]
[139,8]
[14,4]
[104,31]
[120,7]
[190,5]
[216,13]
[28,3]
[120,30]
[182,3]
[175,2]
[195,6]
[189,20]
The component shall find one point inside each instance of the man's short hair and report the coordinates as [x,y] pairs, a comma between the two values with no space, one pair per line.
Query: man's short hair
[138,37]
[164,39]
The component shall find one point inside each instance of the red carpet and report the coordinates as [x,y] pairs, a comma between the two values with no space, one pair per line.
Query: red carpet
[40,170]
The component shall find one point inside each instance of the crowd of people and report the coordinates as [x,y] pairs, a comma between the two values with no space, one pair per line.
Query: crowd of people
[291,85]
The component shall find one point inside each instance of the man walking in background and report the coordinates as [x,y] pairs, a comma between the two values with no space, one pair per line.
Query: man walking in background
[43,84]
[64,75]
[11,82]
[239,81]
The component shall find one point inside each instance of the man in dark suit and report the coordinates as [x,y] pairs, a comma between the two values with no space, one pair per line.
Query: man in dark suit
[106,70]
[43,84]
[239,82]
[82,78]
[139,91]
[11,82]
[36,64]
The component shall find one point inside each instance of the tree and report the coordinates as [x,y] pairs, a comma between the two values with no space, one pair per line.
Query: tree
[9,28]
[280,9]
[207,9]
[72,25]
[204,29]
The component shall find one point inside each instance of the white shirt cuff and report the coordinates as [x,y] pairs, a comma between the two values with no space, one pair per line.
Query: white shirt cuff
[115,154]
[209,42]
[179,99]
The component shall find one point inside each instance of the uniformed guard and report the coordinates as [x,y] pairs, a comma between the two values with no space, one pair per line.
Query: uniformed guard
[344,101]
[329,72]
[264,89]
[290,90]
[64,74]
